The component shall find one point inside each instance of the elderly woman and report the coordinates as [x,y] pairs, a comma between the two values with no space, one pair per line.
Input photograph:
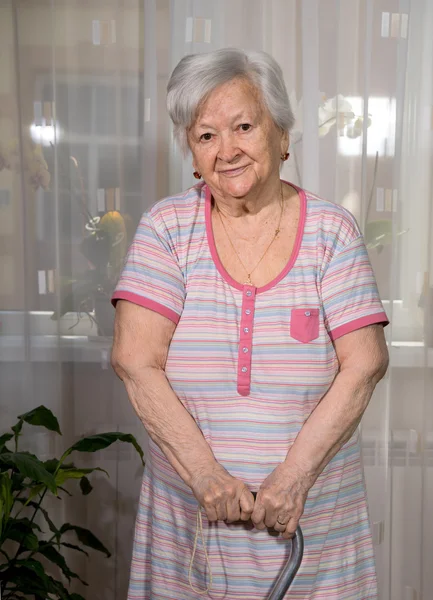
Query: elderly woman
[249,336]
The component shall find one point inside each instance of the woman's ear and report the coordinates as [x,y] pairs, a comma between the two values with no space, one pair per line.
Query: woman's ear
[285,142]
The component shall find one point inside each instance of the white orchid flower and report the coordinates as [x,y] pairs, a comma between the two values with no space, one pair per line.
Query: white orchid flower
[337,108]
[329,112]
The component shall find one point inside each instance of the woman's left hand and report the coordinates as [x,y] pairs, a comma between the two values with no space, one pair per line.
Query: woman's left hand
[280,500]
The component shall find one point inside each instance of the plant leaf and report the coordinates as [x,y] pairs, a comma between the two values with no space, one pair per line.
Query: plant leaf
[6,499]
[34,566]
[55,557]
[20,531]
[86,537]
[27,453]
[86,486]
[50,523]
[17,482]
[34,491]
[103,440]
[73,547]
[64,490]
[26,522]
[30,467]
[7,557]
[27,581]
[52,464]
[65,474]
[378,232]
[17,431]
[42,416]
[58,589]
[6,437]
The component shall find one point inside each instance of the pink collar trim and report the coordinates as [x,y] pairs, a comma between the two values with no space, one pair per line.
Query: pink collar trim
[211,241]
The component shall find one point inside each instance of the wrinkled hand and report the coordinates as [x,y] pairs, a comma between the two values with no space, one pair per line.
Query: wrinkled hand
[280,500]
[223,497]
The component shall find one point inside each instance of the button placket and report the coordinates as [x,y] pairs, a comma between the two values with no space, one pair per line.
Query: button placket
[245,341]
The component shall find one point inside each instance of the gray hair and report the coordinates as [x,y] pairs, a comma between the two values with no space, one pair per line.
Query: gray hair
[197,75]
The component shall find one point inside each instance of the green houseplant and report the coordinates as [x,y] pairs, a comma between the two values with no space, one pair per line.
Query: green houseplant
[24,483]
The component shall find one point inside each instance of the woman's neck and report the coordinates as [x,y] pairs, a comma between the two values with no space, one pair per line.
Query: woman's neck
[262,202]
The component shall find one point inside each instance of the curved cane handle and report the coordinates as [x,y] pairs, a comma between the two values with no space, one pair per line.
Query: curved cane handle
[290,569]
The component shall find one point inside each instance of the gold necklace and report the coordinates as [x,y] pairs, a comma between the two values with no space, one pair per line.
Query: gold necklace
[277,231]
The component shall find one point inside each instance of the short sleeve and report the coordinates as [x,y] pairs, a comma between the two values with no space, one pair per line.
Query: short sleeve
[349,291]
[151,276]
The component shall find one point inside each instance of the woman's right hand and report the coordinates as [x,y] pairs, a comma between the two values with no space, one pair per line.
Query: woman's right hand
[223,497]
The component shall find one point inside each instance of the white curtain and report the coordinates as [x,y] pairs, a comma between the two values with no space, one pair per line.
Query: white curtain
[87,80]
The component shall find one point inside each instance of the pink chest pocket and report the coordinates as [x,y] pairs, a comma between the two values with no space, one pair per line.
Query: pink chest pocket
[304,324]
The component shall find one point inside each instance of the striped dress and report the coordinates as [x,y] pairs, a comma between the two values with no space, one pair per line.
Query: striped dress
[250,364]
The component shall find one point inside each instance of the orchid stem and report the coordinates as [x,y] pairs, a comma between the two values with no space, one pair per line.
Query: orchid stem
[86,212]
[373,185]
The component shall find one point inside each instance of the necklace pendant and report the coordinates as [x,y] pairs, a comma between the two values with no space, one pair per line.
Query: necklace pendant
[248,281]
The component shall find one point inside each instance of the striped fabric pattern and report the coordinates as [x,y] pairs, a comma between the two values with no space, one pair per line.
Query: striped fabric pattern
[171,268]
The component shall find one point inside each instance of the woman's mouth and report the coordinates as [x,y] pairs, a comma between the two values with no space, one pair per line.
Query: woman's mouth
[233,172]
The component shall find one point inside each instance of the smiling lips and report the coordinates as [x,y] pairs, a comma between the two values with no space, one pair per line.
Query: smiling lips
[233,172]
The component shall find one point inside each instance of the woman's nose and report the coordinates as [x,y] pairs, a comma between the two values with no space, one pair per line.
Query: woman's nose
[228,149]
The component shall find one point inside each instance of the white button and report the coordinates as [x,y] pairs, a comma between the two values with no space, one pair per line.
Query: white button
[244,349]
[307,313]
[246,330]
[249,292]
[248,312]
[244,369]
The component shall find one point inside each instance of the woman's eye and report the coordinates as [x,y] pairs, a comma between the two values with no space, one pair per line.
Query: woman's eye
[206,137]
[245,126]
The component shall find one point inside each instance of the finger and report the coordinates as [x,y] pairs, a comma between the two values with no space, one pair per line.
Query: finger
[290,529]
[272,517]
[246,502]
[233,511]
[258,516]
[211,513]
[221,511]
[277,519]
[281,527]
[245,515]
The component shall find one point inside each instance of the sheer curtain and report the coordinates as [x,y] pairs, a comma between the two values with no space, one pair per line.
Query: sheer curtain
[84,132]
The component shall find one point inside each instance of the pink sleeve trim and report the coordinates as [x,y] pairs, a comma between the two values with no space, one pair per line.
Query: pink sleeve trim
[358,324]
[146,303]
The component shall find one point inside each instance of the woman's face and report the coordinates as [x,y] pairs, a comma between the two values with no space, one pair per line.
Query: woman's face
[235,144]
